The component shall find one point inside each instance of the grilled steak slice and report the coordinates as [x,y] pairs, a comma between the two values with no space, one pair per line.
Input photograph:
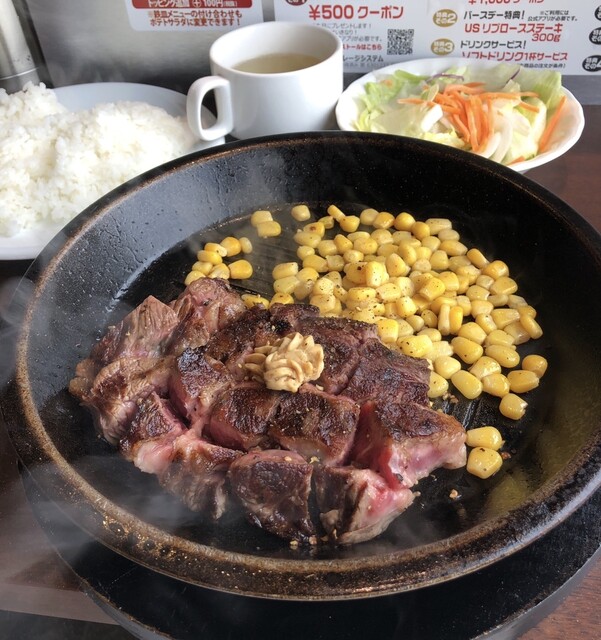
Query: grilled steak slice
[196,383]
[273,487]
[144,332]
[197,474]
[240,417]
[148,442]
[204,307]
[406,441]
[233,343]
[118,389]
[383,374]
[85,373]
[315,425]
[357,504]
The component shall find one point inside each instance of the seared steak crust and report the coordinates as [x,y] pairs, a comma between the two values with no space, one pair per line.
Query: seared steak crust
[168,386]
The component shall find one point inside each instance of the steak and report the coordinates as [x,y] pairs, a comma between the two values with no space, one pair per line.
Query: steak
[357,504]
[273,488]
[405,441]
[204,307]
[118,389]
[148,442]
[241,416]
[385,375]
[197,474]
[336,460]
[197,382]
[144,332]
[316,425]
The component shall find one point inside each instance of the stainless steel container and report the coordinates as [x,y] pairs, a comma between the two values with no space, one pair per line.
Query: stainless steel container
[17,62]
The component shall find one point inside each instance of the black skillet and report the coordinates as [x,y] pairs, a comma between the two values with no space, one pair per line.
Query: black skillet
[141,239]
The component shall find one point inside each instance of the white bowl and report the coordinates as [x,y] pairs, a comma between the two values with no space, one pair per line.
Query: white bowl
[566,134]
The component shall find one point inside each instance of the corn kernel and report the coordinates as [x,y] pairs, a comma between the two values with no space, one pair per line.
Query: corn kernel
[415,346]
[365,245]
[531,326]
[483,462]
[375,274]
[367,216]
[323,286]
[503,317]
[209,256]
[307,239]
[192,276]
[504,285]
[269,229]
[349,224]
[383,220]
[439,260]
[328,222]
[495,384]
[203,267]
[241,270]
[285,285]
[303,251]
[477,258]
[284,270]
[517,331]
[472,331]
[512,406]
[500,337]
[245,244]
[535,363]
[505,356]
[381,236]
[215,246]
[281,298]
[260,216]
[496,269]
[315,227]
[388,330]
[521,381]
[335,212]
[353,256]
[468,350]
[467,384]
[438,385]
[326,303]
[485,366]
[487,437]
[404,221]
[446,366]
[220,271]
[252,299]
[327,248]
[232,246]
[315,262]
[300,212]
[436,225]
[453,247]
[307,274]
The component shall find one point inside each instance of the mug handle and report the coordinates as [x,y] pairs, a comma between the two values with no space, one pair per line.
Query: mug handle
[223,101]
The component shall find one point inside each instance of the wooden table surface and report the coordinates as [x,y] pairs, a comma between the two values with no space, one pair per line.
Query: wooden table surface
[33,579]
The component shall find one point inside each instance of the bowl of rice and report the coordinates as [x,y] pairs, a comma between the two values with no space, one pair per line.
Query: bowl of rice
[62,149]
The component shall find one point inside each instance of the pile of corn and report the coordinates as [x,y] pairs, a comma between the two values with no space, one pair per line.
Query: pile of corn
[429,295]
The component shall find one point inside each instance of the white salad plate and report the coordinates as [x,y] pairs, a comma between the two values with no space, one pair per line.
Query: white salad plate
[566,134]
[26,244]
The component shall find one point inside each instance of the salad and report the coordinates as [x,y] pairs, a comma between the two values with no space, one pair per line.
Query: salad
[506,113]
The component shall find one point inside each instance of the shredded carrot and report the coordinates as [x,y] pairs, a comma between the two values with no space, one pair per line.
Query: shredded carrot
[518,159]
[551,125]
[469,108]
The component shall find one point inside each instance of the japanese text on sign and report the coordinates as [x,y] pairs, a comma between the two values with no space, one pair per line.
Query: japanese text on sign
[549,34]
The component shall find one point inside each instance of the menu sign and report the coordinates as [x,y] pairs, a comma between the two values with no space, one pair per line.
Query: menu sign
[546,34]
[190,15]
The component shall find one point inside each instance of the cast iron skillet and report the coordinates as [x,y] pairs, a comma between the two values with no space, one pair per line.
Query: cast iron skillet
[141,239]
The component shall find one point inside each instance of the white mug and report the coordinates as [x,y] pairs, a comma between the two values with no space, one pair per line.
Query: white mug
[268,78]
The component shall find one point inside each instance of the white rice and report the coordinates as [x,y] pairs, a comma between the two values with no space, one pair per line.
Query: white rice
[54,163]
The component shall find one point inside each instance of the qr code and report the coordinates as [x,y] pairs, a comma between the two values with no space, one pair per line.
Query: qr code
[400,42]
